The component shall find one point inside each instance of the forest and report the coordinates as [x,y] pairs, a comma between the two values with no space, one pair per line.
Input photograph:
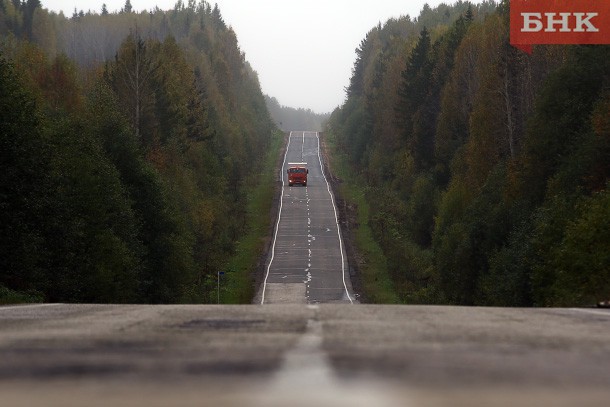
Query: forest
[290,118]
[128,142]
[486,169]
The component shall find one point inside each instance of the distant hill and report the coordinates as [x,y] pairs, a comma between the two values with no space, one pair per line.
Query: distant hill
[289,118]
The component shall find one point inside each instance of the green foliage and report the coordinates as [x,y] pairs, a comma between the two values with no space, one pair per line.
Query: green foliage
[580,263]
[24,182]
[415,81]
[237,286]
[8,296]
[73,238]
[354,127]
[495,191]
[91,221]
[420,210]
[372,264]
[571,265]
[124,179]
[559,131]
[168,266]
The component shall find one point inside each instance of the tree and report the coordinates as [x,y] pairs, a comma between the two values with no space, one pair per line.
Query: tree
[412,92]
[217,20]
[363,55]
[581,261]
[29,8]
[173,88]
[167,269]
[95,255]
[24,183]
[560,124]
[68,219]
[127,8]
[60,85]
[132,77]
[456,102]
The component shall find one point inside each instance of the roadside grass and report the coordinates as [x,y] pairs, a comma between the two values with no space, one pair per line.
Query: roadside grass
[375,280]
[237,284]
[8,296]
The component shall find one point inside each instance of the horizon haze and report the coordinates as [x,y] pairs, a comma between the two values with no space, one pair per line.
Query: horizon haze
[303,51]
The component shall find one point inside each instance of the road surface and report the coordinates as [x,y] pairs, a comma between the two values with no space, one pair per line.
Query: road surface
[307,261]
[308,345]
[302,355]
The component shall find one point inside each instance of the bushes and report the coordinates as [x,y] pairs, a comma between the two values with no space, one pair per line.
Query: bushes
[8,296]
[573,263]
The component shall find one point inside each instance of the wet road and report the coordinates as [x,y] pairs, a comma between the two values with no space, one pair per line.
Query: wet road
[307,262]
[302,355]
[292,351]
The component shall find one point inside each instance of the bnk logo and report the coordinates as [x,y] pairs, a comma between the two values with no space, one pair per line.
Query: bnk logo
[533,22]
[559,22]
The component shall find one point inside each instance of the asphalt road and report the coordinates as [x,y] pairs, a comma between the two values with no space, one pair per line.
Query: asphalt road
[302,355]
[308,345]
[307,261]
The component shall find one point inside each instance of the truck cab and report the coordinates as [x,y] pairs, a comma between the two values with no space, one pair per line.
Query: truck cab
[297,174]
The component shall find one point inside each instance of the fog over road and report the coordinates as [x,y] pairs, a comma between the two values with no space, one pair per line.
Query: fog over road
[307,345]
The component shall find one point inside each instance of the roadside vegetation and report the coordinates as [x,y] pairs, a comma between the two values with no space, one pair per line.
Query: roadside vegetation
[484,170]
[369,260]
[238,283]
[129,143]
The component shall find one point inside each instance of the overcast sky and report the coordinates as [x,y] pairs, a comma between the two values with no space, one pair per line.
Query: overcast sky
[303,50]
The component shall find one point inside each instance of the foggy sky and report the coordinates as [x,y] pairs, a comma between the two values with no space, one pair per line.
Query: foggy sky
[303,51]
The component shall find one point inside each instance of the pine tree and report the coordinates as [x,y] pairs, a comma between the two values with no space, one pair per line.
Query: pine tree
[132,77]
[469,15]
[127,8]
[25,163]
[29,8]
[413,91]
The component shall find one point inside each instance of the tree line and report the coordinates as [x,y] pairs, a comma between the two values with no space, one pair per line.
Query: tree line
[486,169]
[289,118]
[127,142]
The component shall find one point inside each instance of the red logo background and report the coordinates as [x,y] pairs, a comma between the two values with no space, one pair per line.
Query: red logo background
[524,40]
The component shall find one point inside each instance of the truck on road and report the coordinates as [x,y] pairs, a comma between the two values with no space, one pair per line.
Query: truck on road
[297,174]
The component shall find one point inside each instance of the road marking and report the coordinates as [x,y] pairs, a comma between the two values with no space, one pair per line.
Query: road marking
[332,198]
[310,237]
[277,225]
[28,306]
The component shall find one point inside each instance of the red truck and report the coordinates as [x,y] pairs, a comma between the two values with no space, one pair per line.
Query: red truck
[297,174]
